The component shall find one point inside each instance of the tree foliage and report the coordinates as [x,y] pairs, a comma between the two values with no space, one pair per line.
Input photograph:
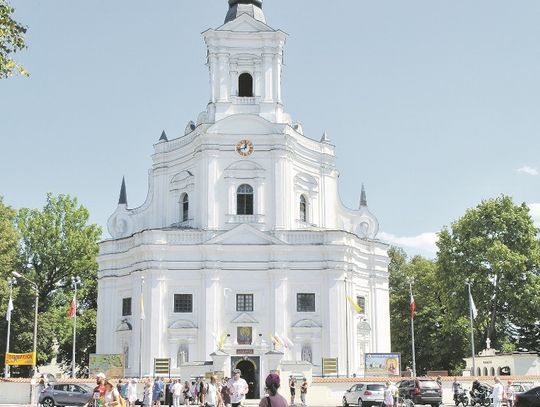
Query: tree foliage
[495,245]
[11,41]
[56,243]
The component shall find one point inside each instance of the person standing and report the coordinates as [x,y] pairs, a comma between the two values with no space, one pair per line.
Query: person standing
[112,395]
[272,399]
[225,393]
[456,388]
[211,392]
[497,392]
[303,391]
[99,390]
[238,388]
[176,392]
[147,393]
[157,392]
[509,390]
[292,388]
[388,398]
[188,395]
[395,392]
[132,393]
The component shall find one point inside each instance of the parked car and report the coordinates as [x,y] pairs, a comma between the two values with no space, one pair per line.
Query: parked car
[364,394]
[530,398]
[420,391]
[65,395]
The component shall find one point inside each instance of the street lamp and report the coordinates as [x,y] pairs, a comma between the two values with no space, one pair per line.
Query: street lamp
[10,281]
[75,281]
[34,285]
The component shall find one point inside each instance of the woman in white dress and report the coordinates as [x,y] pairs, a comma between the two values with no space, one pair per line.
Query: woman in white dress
[132,392]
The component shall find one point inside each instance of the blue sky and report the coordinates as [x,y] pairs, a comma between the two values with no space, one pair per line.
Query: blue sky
[433,104]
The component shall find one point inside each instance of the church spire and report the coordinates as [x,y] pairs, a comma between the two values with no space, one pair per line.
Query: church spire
[122,200]
[363,198]
[163,136]
[252,8]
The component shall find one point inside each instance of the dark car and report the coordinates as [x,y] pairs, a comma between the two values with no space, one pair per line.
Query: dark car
[421,391]
[65,395]
[530,398]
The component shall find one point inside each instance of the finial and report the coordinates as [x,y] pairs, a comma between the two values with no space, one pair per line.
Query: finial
[163,136]
[363,198]
[123,195]
[325,138]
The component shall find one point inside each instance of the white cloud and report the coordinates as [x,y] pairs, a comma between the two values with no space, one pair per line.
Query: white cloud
[528,170]
[423,244]
[535,212]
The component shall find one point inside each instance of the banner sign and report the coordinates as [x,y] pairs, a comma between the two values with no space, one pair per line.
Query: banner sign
[20,359]
[329,366]
[112,365]
[162,366]
[383,364]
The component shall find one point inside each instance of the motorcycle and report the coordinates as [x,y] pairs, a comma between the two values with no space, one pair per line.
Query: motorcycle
[461,397]
[480,397]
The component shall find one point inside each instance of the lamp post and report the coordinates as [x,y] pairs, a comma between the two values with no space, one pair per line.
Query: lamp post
[75,282]
[34,285]
[11,281]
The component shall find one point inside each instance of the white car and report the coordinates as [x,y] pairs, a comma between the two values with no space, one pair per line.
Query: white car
[364,394]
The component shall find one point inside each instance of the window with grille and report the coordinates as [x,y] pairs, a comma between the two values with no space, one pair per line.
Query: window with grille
[126,307]
[361,301]
[183,303]
[244,302]
[305,302]
[185,207]
[303,208]
[244,200]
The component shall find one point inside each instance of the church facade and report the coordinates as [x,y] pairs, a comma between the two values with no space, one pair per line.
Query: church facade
[242,254]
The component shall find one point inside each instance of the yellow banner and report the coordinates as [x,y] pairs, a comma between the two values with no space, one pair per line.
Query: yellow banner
[19,359]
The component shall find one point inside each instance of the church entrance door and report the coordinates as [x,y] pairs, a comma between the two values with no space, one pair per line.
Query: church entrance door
[249,366]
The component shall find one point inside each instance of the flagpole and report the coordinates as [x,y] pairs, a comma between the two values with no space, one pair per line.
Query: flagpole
[11,281]
[75,281]
[142,316]
[411,280]
[468,282]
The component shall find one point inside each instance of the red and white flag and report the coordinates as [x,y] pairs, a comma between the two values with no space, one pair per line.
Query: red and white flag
[72,307]
[413,306]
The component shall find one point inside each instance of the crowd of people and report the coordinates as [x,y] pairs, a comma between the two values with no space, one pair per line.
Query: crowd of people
[212,392]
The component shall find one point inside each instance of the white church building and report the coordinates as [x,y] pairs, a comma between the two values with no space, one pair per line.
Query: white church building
[243,235]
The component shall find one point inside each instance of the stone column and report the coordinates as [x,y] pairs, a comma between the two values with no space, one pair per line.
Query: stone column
[214,85]
[212,300]
[334,336]
[268,77]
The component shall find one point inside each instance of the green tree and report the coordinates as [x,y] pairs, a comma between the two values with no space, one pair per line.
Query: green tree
[57,243]
[439,341]
[495,245]
[11,41]
[8,260]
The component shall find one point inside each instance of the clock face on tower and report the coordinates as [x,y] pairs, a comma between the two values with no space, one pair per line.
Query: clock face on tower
[244,148]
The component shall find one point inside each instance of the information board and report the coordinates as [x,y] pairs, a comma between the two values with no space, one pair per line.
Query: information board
[382,364]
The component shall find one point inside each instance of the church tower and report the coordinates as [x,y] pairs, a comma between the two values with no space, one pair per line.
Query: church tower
[242,252]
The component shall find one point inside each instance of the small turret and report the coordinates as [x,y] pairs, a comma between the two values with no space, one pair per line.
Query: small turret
[122,200]
[363,197]
[325,138]
[163,136]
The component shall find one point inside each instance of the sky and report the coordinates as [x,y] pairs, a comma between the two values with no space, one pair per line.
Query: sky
[434,105]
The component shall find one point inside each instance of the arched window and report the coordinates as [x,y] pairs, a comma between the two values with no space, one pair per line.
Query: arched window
[307,353]
[478,371]
[245,85]
[183,354]
[244,200]
[492,371]
[185,207]
[485,371]
[303,208]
